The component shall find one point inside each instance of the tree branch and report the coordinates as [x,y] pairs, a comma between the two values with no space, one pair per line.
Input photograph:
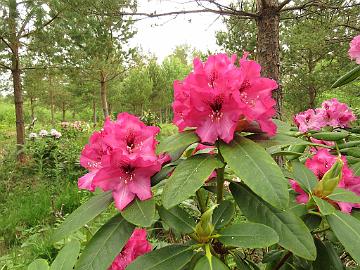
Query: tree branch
[25,22]
[42,26]
[6,43]
[283,4]
[3,66]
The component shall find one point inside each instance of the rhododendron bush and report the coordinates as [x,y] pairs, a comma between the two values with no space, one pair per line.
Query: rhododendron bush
[216,185]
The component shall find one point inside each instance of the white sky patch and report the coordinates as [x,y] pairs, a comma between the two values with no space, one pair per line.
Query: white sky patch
[160,36]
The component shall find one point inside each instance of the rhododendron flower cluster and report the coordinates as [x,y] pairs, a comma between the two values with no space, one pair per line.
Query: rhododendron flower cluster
[354,51]
[332,113]
[32,135]
[121,158]
[136,246]
[217,94]
[319,164]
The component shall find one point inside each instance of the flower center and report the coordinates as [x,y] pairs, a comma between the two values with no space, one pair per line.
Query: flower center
[129,172]
[216,107]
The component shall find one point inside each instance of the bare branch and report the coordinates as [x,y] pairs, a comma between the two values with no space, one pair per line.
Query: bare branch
[25,22]
[283,4]
[350,26]
[3,66]
[6,43]
[42,26]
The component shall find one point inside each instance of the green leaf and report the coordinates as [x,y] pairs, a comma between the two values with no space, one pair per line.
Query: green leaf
[187,178]
[253,165]
[105,245]
[38,264]
[240,262]
[348,77]
[343,195]
[82,215]
[293,233]
[326,257]
[176,142]
[248,235]
[277,140]
[305,177]
[324,207]
[356,168]
[66,258]
[140,213]
[211,263]
[347,230]
[163,174]
[178,219]
[173,257]
[223,214]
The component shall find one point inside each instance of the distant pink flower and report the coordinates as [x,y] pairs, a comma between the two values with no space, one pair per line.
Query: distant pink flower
[136,246]
[336,114]
[121,158]
[319,164]
[309,120]
[217,94]
[354,51]
[332,113]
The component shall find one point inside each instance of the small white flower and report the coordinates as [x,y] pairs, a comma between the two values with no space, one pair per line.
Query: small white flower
[33,135]
[43,133]
[53,132]
[57,135]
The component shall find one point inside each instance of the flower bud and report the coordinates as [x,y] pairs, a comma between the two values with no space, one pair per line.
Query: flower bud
[205,228]
[330,180]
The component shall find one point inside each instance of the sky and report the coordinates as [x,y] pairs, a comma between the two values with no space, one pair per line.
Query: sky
[160,36]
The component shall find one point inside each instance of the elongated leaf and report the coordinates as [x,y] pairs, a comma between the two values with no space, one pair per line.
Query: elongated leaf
[163,174]
[38,264]
[293,233]
[327,257]
[178,219]
[277,140]
[257,169]
[306,178]
[67,256]
[105,245]
[324,207]
[344,195]
[248,235]
[173,257]
[223,214]
[188,177]
[348,77]
[85,213]
[211,263]
[176,142]
[356,168]
[140,213]
[240,262]
[347,230]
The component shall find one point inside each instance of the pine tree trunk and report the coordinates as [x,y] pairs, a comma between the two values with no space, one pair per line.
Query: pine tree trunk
[94,112]
[268,47]
[32,108]
[63,111]
[52,107]
[16,77]
[103,95]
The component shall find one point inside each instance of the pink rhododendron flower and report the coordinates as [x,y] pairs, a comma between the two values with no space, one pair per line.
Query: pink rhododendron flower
[136,246]
[354,51]
[309,120]
[217,94]
[121,158]
[337,114]
[319,164]
[332,113]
